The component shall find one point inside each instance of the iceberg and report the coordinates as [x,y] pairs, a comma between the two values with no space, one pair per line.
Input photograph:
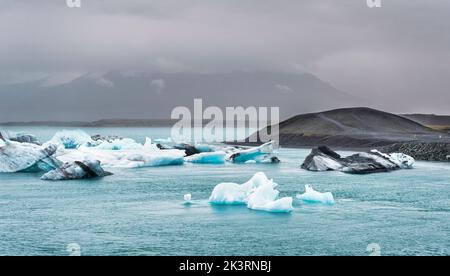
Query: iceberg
[135,158]
[265,198]
[402,160]
[217,157]
[109,138]
[26,157]
[149,145]
[232,193]
[77,170]
[187,199]
[312,196]
[72,139]
[19,137]
[325,159]
[112,151]
[258,194]
[261,154]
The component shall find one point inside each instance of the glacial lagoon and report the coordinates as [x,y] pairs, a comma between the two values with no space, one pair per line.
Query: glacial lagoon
[142,211]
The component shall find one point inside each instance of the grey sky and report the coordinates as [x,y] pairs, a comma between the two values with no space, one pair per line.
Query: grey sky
[398,56]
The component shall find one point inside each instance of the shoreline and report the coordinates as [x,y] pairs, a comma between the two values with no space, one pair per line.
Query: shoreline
[419,150]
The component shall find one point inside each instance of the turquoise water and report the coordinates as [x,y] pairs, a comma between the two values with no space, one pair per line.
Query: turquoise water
[141,211]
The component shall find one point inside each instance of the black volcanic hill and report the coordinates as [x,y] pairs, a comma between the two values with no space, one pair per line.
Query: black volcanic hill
[353,128]
[351,121]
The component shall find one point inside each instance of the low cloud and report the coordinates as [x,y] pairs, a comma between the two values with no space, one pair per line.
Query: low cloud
[400,49]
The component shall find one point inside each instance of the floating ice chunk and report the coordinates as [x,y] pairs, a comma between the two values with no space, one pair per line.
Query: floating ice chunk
[232,193]
[321,163]
[19,137]
[258,154]
[16,157]
[265,198]
[217,157]
[155,159]
[149,145]
[143,157]
[76,170]
[324,159]
[187,198]
[71,139]
[148,142]
[402,160]
[229,193]
[312,196]
[258,193]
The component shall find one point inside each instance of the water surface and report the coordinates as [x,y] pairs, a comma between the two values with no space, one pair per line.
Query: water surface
[141,211]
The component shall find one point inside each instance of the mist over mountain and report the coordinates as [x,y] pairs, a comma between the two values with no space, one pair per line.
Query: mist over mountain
[127,95]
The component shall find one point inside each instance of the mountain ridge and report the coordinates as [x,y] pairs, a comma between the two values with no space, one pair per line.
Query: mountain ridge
[116,94]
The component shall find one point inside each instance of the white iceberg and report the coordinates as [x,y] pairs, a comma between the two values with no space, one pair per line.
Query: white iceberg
[187,199]
[149,144]
[19,157]
[265,198]
[143,157]
[217,157]
[402,160]
[72,139]
[312,196]
[232,193]
[20,137]
[258,193]
[76,170]
[259,154]
[113,152]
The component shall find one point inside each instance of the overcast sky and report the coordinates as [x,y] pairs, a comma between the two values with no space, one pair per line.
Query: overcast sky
[397,55]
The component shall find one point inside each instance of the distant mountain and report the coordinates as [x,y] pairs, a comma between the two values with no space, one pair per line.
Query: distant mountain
[116,94]
[437,122]
[353,128]
[99,123]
